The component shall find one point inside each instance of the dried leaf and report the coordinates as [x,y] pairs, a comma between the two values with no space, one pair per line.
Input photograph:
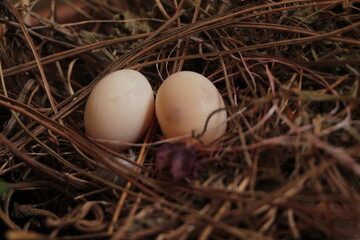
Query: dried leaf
[181,158]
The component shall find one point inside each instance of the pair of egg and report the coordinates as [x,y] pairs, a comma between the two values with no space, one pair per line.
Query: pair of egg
[120,108]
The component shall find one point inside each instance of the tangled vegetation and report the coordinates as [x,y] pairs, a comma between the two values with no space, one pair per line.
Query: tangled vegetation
[287,168]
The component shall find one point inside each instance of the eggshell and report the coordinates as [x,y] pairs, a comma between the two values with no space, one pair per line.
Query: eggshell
[119,109]
[184,102]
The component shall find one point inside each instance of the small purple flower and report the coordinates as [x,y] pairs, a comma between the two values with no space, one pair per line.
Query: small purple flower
[181,158]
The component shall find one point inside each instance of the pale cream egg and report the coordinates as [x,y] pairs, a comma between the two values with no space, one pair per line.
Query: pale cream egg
[184,102]
[119,109]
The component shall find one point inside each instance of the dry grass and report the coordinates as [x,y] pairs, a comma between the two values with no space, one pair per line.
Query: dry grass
[287,168]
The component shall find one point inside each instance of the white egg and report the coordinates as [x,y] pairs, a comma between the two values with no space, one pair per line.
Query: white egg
[184,102]
[119,109]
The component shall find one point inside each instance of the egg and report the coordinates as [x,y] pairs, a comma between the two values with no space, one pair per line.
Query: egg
[183,104]
[119,109]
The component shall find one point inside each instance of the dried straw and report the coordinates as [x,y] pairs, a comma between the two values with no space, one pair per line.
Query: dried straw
[287,168]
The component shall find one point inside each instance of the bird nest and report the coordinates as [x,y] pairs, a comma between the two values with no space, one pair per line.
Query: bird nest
[287,167]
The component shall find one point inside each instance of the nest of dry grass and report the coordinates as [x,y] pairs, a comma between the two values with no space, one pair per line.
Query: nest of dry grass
[287,168]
